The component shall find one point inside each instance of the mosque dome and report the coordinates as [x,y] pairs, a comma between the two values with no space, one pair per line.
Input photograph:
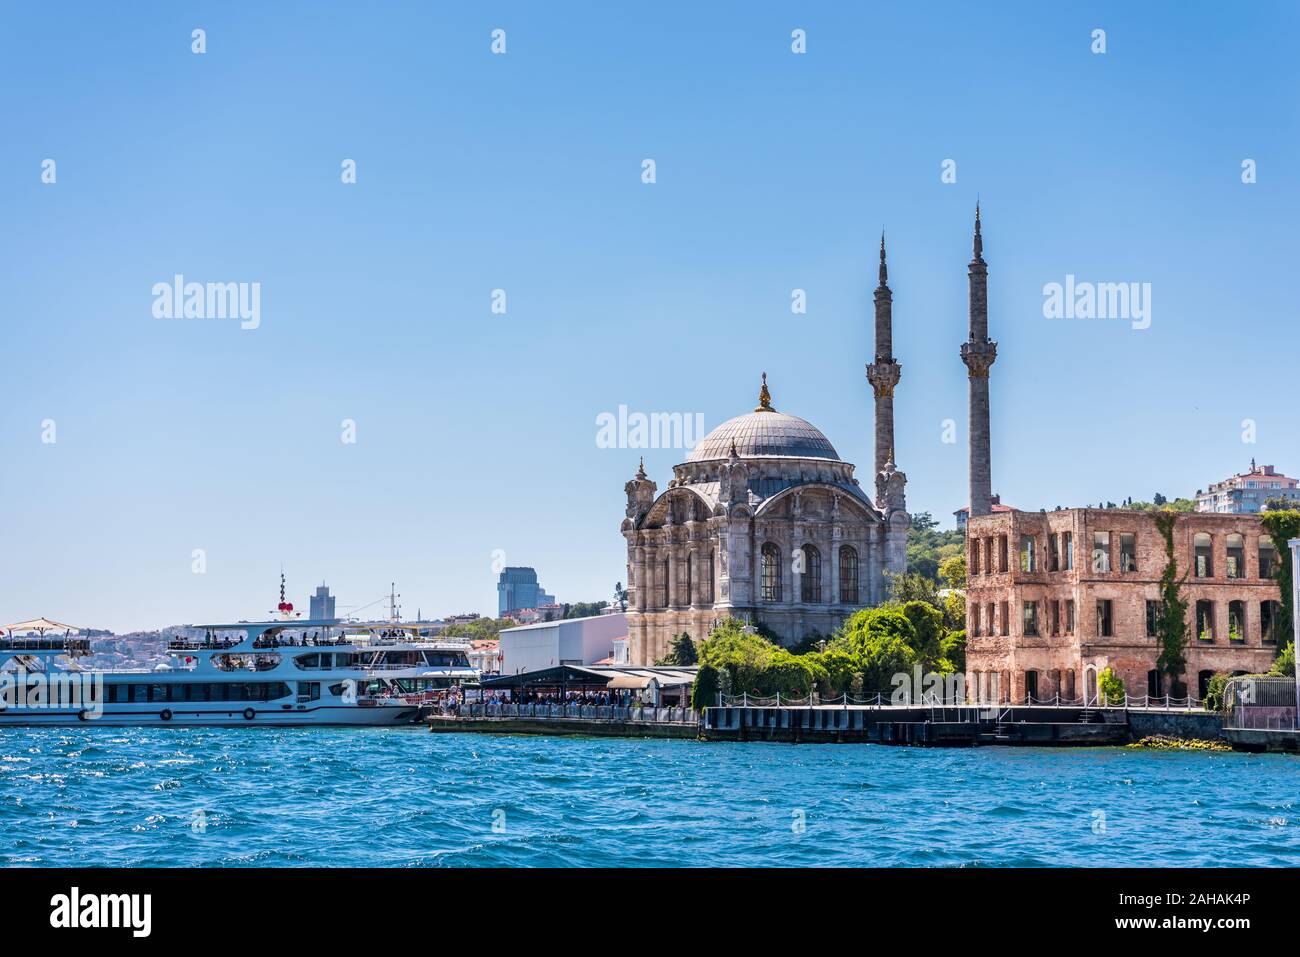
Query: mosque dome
[764,431]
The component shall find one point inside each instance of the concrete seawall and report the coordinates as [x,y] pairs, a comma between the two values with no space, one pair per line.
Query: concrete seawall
[1205,725]
[939,727]
[564,726]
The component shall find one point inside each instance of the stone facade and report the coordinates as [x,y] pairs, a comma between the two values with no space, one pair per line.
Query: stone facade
[765,523]
[1053,598]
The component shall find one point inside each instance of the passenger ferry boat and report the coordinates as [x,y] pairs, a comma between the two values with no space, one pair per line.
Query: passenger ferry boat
[286,672]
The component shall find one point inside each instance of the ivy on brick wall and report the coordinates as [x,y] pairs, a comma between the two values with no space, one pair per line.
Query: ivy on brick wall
[1171,626]
[1282,526]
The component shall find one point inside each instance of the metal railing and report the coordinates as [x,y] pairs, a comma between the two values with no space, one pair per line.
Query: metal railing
[45,644]
[585,712]
[882,699]
[1260,718]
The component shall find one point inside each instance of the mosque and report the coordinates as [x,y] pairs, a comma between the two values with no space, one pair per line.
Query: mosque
[765,522]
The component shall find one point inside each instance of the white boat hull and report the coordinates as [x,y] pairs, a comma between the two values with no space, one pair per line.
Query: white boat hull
[263,716]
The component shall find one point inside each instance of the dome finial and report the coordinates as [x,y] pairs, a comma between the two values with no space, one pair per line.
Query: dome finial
[640,472]
[764,398]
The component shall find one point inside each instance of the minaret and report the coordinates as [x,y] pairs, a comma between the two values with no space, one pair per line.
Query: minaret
[979,353]
[884,373]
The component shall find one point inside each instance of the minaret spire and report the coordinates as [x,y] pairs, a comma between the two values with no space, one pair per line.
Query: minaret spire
[764,398]
[884,373]
[979,353]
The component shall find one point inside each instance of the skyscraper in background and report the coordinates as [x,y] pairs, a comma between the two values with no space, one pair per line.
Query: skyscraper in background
[518,588]
[322,604]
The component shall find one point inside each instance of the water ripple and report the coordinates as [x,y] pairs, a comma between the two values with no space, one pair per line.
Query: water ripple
[406,798]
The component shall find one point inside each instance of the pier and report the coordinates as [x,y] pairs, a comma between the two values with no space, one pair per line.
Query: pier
[932,726]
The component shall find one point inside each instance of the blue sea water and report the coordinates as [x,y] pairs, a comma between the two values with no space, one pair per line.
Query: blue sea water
[405,797]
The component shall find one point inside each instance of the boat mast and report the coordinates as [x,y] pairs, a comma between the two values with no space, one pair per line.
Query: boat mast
[394,613]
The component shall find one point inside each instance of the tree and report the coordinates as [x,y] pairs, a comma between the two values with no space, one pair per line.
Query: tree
[1214,690]
[927,622]
[881,640]
[924,522]
[1111,687]
[911,586]
[1282,526]
[1284,663]
[789,674]
[952,571]
[927,546]
[704,693]
[742,654]
[479,629]
[681,651]
[1171,623]
[952,650]
[620,596]
[1160,503]
[583,609]
[841,669]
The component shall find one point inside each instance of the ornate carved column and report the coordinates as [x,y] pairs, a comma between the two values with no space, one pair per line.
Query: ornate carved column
[672,576]
[642,582]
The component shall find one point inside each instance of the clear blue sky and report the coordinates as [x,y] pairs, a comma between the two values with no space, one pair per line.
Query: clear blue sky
[476,431]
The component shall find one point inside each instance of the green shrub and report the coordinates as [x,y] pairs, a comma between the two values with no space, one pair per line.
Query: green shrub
[1214,691]
[1284,663]
[1111,687]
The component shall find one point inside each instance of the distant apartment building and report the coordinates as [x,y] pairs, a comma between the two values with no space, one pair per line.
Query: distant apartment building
[485,655]
[518,588]
[963,514]
[322,604]
[530,616]
[1054,598]
[1246,494]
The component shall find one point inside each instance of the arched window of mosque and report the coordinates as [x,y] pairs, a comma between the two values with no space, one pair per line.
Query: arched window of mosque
[848,575]
[811,583]
[771,579]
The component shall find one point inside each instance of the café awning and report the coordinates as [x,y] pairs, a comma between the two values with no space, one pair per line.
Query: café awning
[38,625]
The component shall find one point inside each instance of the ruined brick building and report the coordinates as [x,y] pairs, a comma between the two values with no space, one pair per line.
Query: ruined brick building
[1053,598]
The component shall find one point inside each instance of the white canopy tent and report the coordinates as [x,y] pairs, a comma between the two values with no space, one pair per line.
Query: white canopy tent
[38,625]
